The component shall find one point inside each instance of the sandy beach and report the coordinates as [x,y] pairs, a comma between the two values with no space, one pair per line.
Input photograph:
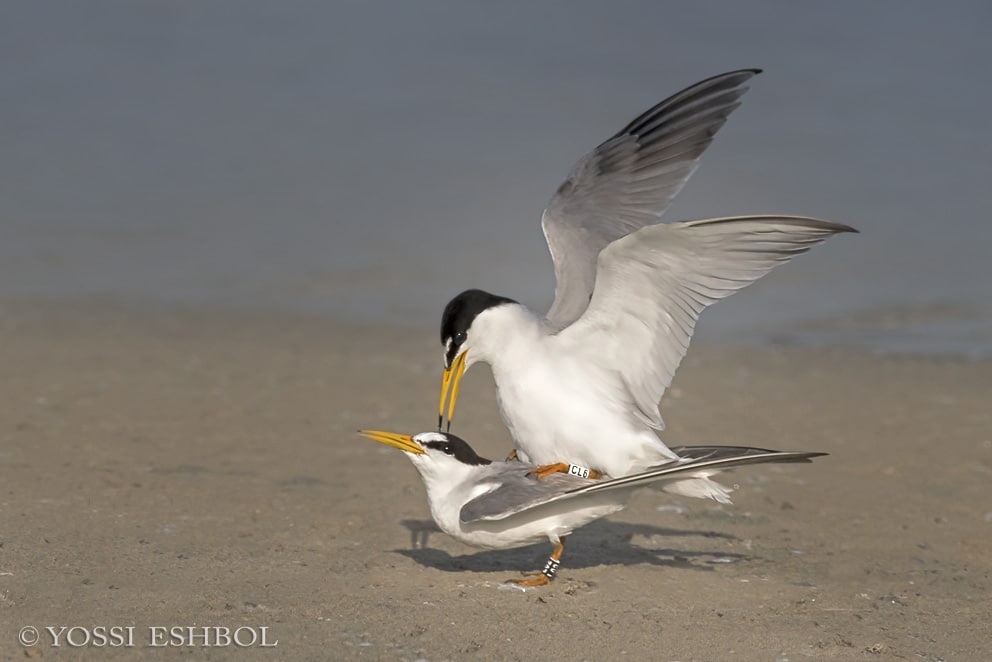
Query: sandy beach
[190,468]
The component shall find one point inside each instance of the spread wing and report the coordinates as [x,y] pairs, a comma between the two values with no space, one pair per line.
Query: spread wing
[652,285]
[529,493]
[626,183]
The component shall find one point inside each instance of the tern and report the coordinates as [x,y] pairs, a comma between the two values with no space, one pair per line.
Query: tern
[499,505]
[580,386]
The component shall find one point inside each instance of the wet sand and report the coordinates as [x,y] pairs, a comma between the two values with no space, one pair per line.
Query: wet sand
[187,467]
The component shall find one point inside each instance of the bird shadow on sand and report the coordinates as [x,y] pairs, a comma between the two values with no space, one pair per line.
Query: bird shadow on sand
[601,543]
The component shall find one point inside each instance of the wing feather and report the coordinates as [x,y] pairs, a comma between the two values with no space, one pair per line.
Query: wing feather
[652,285]
[526,493]
[517,491]
[628,181]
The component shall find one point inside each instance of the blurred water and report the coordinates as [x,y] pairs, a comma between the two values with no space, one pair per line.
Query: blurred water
[370,160]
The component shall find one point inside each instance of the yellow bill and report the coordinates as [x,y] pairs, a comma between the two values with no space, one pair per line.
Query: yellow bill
[452,378]
[404,442]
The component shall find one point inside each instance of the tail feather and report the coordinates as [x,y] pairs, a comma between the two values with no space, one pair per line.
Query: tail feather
[701,487]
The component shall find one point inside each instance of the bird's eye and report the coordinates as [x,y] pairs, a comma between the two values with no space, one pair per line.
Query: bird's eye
[447,449]
[460,337]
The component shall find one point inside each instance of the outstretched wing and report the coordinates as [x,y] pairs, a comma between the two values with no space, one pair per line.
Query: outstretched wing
[652,285]
[513,498]
[628,181]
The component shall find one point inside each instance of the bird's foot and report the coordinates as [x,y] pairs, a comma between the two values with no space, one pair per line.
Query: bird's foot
[546,470]
[540,580]
[512,455]
[547,573]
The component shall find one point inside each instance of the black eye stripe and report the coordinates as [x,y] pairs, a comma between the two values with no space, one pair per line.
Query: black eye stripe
[457,448]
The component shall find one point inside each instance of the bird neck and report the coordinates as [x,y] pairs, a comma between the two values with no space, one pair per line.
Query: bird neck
[449,486]
[503,332]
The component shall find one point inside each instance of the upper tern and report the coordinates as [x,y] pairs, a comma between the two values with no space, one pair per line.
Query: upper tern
[498,505]
[582,385]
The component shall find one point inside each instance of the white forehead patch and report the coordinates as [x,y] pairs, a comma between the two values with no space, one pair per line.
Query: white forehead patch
[424,437]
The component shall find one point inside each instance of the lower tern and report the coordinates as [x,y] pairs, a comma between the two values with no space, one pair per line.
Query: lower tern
[499,505]
[581,385]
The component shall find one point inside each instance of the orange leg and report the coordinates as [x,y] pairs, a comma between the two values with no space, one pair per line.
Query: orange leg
[512,455]
[549,571]
[546,470]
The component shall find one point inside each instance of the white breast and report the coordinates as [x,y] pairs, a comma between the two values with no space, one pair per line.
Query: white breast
[561,402]
[560,407]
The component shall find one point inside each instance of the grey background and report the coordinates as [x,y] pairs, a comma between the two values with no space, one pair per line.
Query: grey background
[369,160]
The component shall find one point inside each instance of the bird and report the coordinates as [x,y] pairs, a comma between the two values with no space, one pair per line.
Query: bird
[580,386]
[500,505]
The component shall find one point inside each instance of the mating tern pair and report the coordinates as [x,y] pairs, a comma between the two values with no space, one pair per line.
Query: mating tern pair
[579,388]
[581,385]
[502,504]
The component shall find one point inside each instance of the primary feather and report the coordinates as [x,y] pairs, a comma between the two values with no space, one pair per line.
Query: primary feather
[628,181]
[519,493]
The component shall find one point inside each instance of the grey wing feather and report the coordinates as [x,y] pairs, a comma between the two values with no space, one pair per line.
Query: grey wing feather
[716,459]
[628,181]
[652,285]
[517,491]
[720,452]
[706,466]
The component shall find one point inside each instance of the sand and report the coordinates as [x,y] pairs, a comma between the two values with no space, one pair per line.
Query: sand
[184,467]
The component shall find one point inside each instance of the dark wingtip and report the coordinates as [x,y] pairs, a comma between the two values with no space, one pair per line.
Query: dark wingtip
[807,457]
[839,227]
[754,71]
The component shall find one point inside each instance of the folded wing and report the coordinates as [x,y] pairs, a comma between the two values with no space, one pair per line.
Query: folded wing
[523,493]
[517,492]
